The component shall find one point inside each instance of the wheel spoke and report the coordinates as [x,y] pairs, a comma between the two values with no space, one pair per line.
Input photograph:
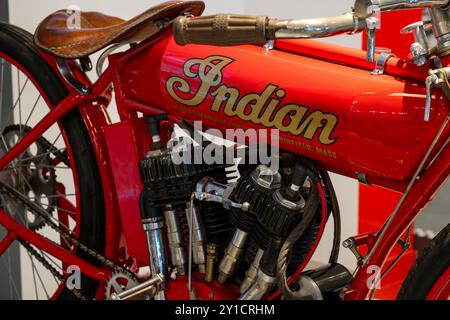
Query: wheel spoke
[43,154]
[47,166]
[56,139]
[54,264]
[51,260]
[50,167]
[22,186]
[20,94]
[34,267]
[32,109]
[71,214]
[53,196]
[34,276]
[39,275]
[49,215]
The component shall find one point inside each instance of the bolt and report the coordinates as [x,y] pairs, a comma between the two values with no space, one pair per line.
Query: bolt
[348,244]
[245,207]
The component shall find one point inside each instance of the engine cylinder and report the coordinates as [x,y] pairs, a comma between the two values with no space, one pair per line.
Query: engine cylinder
[252,272]
[254,188]
[176,241]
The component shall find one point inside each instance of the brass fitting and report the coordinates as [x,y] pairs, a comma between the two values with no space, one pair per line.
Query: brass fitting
[211,257]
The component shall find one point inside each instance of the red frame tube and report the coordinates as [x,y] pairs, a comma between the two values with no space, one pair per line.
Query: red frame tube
[420,195]
[51,118]
[51,248]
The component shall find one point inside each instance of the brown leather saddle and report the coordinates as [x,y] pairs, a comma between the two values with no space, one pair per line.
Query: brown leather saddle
[93,31]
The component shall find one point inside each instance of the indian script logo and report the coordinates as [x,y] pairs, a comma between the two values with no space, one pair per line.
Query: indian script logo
[259,108]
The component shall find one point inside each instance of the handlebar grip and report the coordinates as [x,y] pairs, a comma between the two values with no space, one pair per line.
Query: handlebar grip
[223,30]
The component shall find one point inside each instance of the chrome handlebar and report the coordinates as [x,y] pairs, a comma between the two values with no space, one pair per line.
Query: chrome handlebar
[363,8]
[226,30]
[350,22]
[364,16]
[320,27]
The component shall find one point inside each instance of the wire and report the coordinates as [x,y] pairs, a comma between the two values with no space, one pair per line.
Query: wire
[324,217]
[336,217]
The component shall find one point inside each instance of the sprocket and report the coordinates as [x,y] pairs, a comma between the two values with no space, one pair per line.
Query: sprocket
[119,282]
[34,174]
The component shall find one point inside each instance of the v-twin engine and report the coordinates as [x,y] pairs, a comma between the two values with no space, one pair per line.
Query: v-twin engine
[225,225]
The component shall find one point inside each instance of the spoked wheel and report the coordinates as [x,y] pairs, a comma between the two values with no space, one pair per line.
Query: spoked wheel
[53,188]
[429,278]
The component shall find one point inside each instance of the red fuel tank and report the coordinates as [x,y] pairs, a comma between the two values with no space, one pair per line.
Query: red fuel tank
[323,99]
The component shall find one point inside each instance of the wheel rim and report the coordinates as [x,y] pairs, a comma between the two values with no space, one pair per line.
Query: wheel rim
[66,196]
[441,289]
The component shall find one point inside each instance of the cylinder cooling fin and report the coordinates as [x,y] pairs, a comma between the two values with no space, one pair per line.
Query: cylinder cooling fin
[237,239]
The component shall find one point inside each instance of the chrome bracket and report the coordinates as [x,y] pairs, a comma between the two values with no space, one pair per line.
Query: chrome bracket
[350,244]
[210,191]
[269,45]
[362,178]
[66,72]
[372,24]
[381,62]
[101,60]
[421,47]
[227,203]
[143,288]
[437,78]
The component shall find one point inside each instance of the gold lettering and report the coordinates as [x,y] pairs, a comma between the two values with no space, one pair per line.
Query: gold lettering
[293,114]
[227,95]
[257,108]
[208,70]
[314,122]
[255,102]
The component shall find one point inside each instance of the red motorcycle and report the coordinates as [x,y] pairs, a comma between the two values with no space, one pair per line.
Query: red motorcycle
[105,200]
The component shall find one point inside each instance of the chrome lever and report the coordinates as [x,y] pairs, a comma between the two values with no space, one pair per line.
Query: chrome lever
[429,87]
[437,78]
[228,203]
[372,24]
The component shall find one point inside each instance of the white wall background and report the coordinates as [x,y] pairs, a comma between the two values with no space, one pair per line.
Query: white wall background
[27,14]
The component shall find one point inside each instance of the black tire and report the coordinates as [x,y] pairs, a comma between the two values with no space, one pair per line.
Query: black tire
[18,44]
[431,264]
